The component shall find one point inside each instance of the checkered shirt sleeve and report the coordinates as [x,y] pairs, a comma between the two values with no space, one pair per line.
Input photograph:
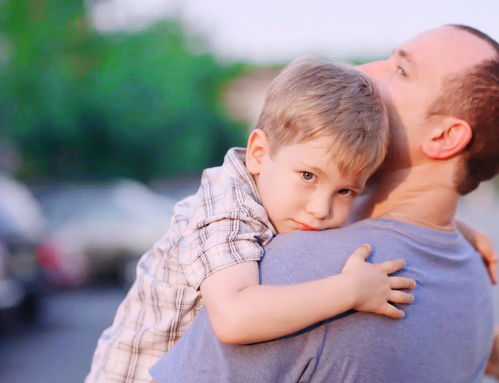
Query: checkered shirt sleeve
[223,224]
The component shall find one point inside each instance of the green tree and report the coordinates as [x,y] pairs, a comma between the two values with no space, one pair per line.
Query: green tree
[80,104]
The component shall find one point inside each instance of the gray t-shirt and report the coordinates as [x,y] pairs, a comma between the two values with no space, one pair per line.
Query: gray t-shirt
[445,337]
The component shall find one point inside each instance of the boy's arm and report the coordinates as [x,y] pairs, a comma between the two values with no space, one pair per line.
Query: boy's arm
[242,311]
[483,244]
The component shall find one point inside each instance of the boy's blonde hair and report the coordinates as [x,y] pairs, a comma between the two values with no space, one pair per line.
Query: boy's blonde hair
[312,98]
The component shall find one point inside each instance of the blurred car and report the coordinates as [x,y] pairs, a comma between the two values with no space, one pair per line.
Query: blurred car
[11,291]
[19,304]
[102,229]
[21,227]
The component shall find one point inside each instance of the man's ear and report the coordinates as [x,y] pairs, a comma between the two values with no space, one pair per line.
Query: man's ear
[447,139]
[256,149]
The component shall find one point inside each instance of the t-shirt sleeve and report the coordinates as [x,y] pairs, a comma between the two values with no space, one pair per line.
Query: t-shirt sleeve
[200,357]
[218,242]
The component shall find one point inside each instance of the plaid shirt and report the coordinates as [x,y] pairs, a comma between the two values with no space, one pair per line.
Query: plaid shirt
[221,225]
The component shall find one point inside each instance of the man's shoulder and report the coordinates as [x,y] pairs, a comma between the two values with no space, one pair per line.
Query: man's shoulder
[308,255]
[373,230]
[336,241]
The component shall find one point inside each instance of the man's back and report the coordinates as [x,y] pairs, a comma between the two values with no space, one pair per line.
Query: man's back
[445,336]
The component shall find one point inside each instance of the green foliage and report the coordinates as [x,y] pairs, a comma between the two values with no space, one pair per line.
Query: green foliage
[79,104]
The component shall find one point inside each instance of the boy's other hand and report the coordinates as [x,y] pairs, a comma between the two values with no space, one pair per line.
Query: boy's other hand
[374,289]
[485,248]
[483,244]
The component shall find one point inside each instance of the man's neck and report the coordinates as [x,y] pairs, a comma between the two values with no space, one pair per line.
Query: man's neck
[416,195]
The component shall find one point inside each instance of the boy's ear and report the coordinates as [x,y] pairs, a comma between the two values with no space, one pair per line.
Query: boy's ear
[447,139]
[256,149]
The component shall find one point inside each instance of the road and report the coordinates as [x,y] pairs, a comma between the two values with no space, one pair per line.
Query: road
[60,347]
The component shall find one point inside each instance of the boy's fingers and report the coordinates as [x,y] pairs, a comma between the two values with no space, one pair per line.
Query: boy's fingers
[359,255]
[392,312]
[492,267]
[486,248]
[402,283]
[397,296]
[488,254]
[490,260]
[392,266]
[362,252]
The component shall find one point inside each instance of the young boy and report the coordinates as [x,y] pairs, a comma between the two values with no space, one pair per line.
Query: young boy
[322,132]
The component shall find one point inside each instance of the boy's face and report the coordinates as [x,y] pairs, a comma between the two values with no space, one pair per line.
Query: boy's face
[301,187]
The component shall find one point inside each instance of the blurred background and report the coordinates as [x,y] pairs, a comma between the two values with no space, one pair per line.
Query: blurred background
[109,110]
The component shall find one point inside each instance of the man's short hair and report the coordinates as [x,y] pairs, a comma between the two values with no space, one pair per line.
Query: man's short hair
[312,97]
[473,96]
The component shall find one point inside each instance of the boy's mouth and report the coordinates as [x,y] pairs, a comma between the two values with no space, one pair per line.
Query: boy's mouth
[304,226]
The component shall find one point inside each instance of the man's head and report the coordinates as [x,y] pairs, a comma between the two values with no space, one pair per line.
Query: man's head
[443,86]
[322,131]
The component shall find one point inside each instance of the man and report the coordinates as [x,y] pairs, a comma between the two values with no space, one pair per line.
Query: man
[443,89]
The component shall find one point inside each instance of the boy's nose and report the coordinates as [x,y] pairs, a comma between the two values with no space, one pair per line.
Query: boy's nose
[320,209]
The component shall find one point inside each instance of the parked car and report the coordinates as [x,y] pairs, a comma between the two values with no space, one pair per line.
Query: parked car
[21,227]
[101,229]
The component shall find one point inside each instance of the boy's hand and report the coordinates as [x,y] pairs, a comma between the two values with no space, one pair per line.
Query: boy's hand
[483,244]
[485,247]
[374,288]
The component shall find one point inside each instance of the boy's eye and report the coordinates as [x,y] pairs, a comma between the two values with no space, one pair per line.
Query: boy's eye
[346,192]
[401,71]
[307,176]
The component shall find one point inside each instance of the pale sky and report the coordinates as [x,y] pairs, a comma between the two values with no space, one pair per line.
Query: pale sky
[278,30]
